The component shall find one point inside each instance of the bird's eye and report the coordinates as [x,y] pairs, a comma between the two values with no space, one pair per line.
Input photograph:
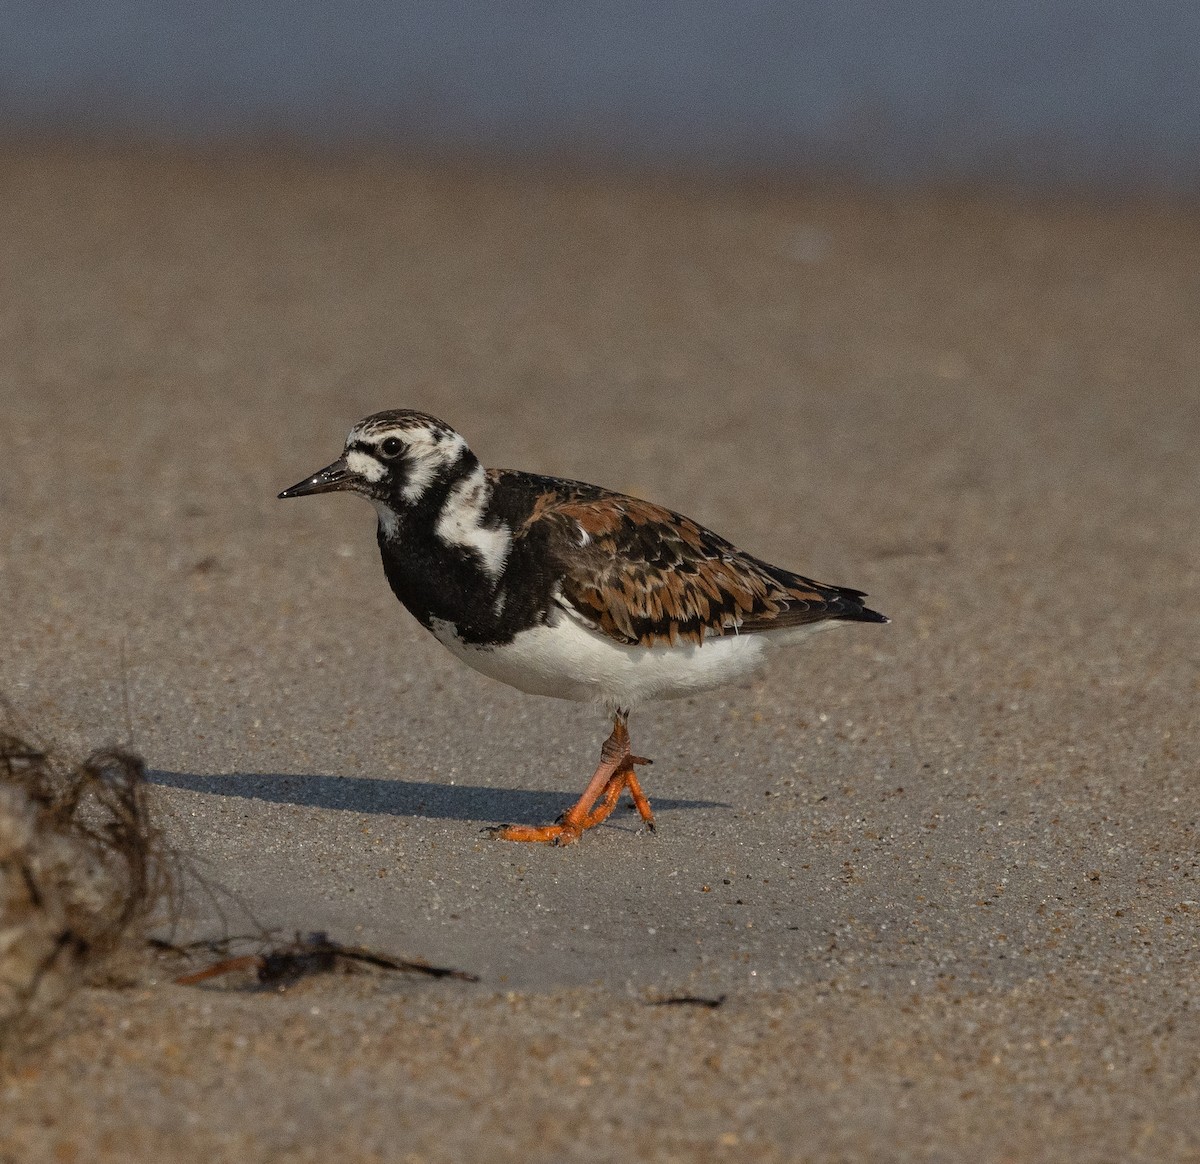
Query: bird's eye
[392,447]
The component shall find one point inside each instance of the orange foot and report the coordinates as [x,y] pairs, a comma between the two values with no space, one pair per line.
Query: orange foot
[599,798]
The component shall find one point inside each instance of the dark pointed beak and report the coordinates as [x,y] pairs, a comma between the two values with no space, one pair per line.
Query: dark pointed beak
[331,479]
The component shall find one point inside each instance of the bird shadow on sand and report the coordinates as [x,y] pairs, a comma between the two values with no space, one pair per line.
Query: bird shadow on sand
[388,797]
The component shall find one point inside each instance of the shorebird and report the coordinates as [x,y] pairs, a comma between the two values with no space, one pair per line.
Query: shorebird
[569,590]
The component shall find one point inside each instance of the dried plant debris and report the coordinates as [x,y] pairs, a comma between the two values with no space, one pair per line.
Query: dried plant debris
[82,871]
[279,965]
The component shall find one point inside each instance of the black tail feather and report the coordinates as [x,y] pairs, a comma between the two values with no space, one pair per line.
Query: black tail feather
[847,604]
[863,614]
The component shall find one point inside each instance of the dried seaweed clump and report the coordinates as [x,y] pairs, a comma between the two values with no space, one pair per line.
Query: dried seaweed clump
[81,871]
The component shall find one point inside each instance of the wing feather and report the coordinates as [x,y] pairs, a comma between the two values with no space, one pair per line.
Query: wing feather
[645,575]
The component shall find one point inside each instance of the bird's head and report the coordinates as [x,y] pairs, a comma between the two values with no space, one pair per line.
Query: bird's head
[394,459]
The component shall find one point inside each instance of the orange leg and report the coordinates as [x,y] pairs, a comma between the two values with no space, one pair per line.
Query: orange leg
[621,779]
[615,772]
[640,800]
[608,800]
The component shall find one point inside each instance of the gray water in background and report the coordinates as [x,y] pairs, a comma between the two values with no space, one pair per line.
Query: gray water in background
[1104,93]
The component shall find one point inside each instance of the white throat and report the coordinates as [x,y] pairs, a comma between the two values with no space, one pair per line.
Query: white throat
[388,521]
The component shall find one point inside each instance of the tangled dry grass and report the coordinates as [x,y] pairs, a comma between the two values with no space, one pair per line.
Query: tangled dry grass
[82,871]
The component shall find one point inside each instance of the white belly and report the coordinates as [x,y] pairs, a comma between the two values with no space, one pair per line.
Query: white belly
[571,661]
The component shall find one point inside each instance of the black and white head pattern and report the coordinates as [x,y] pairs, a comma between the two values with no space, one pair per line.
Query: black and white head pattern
[418,471]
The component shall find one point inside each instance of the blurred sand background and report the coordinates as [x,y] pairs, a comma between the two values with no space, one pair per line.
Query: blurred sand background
[946,872]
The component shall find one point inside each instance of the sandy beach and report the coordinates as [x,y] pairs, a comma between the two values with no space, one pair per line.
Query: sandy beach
[945,873]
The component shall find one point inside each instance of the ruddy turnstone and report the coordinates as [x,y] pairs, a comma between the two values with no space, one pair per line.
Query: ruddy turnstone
[565,589]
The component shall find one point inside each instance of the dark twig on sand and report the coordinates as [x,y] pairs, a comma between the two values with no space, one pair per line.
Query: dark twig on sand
[689,1000]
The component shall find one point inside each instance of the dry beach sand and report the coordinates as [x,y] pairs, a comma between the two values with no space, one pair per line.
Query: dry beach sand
[945,872]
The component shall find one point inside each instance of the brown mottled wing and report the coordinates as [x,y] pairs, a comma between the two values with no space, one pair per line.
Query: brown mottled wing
[645,575]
